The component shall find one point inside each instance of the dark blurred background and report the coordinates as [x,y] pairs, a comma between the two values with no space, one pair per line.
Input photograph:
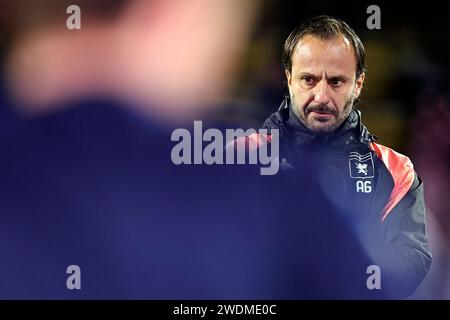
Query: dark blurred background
[405,100]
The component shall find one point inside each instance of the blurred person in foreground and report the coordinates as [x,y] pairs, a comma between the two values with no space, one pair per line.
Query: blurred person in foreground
[374,187]
[86,173]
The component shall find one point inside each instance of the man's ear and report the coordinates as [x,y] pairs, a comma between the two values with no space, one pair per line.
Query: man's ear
[288,80]
[359,85]
[288,77]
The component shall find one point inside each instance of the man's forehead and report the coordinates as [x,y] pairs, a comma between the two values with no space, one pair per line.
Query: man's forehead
[336,53]
[339,42]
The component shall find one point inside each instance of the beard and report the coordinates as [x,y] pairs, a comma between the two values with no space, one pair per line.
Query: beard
[303,113]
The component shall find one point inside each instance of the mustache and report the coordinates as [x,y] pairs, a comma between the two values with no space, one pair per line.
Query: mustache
[320,108]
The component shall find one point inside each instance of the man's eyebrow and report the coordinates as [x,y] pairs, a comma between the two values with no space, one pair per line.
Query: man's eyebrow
[336,76]
[339,76]
[307,74]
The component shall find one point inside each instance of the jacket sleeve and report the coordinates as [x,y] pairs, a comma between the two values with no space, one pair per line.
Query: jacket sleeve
[402,249]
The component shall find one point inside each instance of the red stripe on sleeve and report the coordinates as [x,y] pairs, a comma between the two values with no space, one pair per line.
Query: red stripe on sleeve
[402,171]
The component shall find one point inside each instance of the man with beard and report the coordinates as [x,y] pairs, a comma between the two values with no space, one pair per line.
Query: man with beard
[373,188]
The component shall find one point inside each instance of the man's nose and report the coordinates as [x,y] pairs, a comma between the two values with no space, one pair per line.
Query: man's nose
[321,95]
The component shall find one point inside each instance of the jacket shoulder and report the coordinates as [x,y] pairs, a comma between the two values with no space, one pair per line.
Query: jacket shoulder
[400,168]
[275,121]
[278,119]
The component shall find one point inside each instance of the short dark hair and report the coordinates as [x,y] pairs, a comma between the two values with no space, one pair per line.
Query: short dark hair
[324,27]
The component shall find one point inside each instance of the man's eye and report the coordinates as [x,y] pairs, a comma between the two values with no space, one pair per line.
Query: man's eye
[308,80]
[336,82]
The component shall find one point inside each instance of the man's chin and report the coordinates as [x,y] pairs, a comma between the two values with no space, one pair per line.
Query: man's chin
[322,127]
[321,122]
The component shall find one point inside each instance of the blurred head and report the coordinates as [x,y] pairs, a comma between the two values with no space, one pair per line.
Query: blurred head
[128,53]
[324,62]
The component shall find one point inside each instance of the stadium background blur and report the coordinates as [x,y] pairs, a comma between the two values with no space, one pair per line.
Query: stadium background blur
[405,100]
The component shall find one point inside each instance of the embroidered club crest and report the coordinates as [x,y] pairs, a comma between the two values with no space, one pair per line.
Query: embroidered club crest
[361,166]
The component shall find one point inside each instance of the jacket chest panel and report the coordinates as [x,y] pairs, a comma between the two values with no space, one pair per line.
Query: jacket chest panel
[347,178]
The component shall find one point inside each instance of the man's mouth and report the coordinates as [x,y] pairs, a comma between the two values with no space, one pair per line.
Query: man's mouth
[322,116]
[321,111]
